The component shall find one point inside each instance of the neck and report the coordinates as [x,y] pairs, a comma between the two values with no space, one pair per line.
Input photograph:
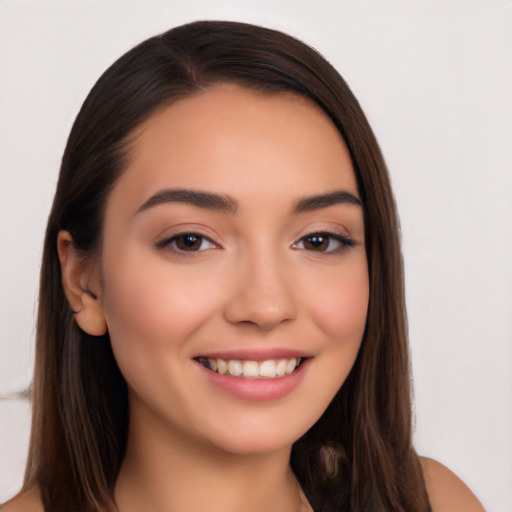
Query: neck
[163,471]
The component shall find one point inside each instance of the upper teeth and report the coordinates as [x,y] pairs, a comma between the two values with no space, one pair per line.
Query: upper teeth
[269,369]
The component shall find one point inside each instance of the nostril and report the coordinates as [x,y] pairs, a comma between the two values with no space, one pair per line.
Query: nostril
[247,311]
[262,295]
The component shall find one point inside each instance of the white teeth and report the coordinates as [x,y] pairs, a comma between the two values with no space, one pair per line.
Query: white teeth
[291,365]
[222,366]
[269,369]
[235,367]
[251,369]
[281,367]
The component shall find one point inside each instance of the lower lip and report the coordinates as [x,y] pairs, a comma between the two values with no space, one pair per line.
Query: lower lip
[258,389]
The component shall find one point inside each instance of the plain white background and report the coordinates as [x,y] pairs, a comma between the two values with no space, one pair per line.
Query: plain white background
[435,79]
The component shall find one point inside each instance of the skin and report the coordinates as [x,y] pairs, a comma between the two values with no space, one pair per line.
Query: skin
[253,286]
[256,281]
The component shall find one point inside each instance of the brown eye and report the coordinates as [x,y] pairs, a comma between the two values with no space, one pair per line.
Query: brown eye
[324,242]
[317,242]
[188,242]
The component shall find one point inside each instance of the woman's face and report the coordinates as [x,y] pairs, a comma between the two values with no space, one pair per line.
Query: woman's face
[234,242]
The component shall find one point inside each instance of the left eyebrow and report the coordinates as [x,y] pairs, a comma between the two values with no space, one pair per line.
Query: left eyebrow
[317,202]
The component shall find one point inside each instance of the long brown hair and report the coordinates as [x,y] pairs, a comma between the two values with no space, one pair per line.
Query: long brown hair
[359,455]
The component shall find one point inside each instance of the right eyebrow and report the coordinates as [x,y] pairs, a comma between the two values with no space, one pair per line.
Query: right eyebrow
[206,200]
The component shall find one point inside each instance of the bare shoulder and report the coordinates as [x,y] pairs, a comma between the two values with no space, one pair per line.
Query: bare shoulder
[446,491]
[27,501]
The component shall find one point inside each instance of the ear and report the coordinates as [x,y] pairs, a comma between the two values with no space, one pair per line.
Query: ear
[81,287]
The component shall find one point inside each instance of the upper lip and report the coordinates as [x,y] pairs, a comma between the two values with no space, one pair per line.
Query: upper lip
[256,354]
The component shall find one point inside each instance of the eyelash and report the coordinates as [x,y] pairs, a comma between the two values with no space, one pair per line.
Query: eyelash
[342,242]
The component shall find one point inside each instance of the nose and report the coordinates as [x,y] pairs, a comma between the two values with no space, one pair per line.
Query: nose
[262,295]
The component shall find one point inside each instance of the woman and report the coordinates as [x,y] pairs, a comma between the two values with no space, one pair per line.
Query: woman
[221,320]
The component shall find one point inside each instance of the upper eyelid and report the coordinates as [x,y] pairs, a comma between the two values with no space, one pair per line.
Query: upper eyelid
[187,229]
[340,232]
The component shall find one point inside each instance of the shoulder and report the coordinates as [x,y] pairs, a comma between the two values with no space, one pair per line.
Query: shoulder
[25,501]
[446,491]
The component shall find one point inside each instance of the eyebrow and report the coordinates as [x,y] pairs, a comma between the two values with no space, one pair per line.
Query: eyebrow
[206,200]
[226,204]
[317,202]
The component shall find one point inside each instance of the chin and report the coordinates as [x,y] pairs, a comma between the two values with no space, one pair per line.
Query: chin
[258,437]
[254,445]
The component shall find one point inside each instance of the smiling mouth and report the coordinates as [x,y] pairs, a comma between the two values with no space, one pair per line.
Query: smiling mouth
[268,369]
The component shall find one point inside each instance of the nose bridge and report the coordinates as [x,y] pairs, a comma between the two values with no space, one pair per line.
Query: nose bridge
[263,293]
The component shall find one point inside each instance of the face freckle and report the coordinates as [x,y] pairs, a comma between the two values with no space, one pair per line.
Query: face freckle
[236,234]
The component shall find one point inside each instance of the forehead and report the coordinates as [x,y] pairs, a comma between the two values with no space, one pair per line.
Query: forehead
[234,140]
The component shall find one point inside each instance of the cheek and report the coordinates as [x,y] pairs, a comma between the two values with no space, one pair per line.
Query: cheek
[157,304]
[339,308]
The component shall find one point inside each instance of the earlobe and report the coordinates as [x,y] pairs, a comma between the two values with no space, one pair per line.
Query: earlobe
[90,318]
[80,288]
